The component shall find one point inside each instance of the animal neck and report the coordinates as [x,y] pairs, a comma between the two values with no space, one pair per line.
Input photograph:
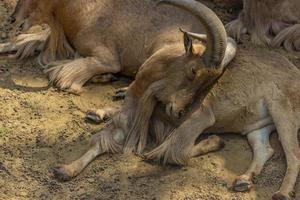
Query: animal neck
[206,89]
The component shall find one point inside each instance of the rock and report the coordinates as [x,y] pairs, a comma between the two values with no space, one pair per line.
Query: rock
[3,35]
[90,180]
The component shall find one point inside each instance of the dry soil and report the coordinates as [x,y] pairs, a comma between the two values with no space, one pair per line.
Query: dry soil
[41,127]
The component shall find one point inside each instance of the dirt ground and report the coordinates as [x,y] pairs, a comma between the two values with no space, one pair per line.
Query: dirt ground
[41,127]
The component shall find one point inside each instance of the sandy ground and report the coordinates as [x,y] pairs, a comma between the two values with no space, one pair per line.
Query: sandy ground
[41,127]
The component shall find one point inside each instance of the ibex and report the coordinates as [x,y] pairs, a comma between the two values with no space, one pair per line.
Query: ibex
[273,23]
[110,36]
[154,87]
[255,95]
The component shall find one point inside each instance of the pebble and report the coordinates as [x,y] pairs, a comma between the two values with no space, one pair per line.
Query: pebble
[90,180]
[22,193]
[3,35]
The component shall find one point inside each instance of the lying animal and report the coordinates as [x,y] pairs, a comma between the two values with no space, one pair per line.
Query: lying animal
[111,36]
[154,87]
[257,94]
[269,22]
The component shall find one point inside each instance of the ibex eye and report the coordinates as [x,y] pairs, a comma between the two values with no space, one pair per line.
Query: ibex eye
[193,70]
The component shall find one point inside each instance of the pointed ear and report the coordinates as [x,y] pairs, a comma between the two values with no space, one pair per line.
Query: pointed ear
[188,44]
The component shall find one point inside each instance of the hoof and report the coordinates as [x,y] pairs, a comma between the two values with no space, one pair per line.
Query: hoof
[104,78]
[73,89]
[114,79]
[120,95]
[93,117]
[60,174]
[279,196]
[217,141]
[242,184]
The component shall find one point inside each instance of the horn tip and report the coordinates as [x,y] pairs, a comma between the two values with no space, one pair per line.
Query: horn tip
[182,30]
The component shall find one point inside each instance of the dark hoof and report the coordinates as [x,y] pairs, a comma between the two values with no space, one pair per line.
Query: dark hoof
[93,117]
[220,143]
[60,174]
[279,196]
[104,78]
[114,79]
[119,96]
[242,185]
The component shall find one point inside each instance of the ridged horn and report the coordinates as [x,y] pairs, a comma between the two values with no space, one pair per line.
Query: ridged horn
[216,34]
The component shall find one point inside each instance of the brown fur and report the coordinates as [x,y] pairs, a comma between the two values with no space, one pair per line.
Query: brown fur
[269,22]
[142,114]
[257,94]
[112,32]
[35,12]
[140,126]
[257,86]
[143,111]
[253,90]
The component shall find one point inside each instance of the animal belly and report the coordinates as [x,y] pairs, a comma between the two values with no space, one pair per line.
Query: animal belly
[243,120]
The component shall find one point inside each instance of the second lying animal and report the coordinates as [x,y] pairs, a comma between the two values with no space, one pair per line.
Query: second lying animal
[257,94]
[111,36]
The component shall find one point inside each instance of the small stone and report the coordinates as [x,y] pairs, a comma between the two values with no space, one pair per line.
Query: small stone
[90,180]
[3,35]
[23,193]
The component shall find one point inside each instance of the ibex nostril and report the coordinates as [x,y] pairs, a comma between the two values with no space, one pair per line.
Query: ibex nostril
[12,20]
[180,114]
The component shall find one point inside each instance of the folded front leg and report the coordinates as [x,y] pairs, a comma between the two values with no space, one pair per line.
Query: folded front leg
[101,115]
[212,143]
[71,76]
[180,145]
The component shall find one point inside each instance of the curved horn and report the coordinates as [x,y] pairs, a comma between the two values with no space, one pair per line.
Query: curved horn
[230,51]
[216,34]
